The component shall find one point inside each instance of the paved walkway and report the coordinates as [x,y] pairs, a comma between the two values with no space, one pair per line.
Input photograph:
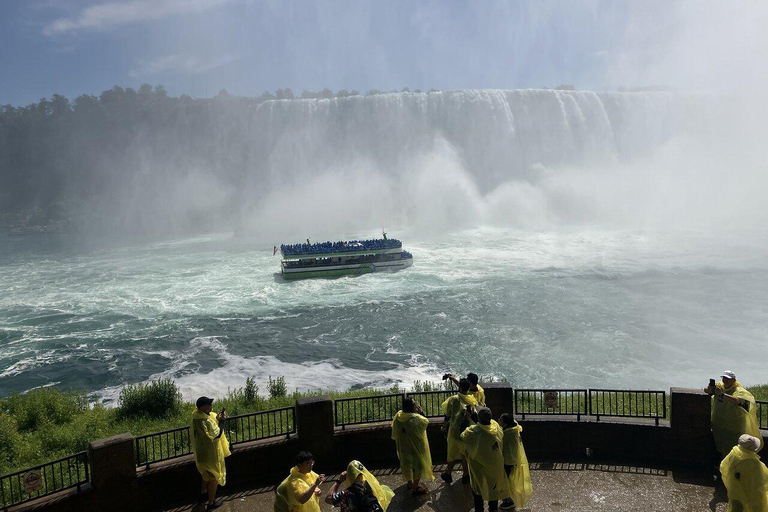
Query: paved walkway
[557,487]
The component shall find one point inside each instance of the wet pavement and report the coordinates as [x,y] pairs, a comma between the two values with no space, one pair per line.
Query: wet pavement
[557,487]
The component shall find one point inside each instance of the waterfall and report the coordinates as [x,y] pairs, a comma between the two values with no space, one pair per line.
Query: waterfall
[498,135]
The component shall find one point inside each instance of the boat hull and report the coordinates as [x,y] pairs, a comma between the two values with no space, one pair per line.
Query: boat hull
[346,270]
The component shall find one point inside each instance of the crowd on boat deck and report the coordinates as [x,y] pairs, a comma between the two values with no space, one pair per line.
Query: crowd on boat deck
[342,246]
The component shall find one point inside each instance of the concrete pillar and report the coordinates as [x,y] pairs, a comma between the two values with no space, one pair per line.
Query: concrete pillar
[499,397]
[315,425]
[690,421]
[113,473]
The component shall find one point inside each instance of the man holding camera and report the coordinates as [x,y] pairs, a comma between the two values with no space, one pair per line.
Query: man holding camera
[210,446]
[734,412]
[475,389]
[454,409]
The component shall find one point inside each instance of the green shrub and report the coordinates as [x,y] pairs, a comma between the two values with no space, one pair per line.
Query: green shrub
[10,441]
[157,399]
[277,387]
[251,392]
[45,406]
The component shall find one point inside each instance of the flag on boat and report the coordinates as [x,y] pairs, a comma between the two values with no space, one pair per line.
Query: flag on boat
[274,250]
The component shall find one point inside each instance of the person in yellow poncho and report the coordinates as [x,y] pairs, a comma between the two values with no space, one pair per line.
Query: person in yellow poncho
[362,491]
[300,491]
[734,412]
[210,446]
[456,421]
[475,389]
[409,430]
[515,465]
[745,477]
[484,443]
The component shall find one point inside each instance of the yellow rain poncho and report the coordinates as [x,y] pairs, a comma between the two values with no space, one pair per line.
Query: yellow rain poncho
[453,409]
[209,449]
[479,395]
[746,479]
[486,461]
[289,491]
[383,493]
[730,420]
[409,430]
[519,480]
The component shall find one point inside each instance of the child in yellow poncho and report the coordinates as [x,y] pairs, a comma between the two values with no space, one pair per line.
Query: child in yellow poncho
[515,464]
[734,412]
[483,443]
[358,489]
[300,492]
[453,410]
[745,477]
[409,430]
[210,446]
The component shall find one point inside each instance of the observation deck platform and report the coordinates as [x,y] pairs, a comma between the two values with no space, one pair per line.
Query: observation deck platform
[557,487]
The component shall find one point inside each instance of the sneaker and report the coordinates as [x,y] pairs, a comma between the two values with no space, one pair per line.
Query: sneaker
[507,504]
[446,477]
[465,479]
[213,506]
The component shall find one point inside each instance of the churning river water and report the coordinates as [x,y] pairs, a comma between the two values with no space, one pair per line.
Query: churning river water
[597,308]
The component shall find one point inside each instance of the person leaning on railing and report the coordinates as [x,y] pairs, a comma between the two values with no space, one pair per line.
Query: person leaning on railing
[300,491]
[745,477]
[734,412]
[210,446]
[409,431]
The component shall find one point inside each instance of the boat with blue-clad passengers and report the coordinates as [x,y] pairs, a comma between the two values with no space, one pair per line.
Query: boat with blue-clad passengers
[334,259]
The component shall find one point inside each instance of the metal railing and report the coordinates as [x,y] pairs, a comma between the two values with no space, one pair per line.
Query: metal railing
[38,481]
[170,444]
[260,425]
[369,409]
[548,402]
[161,446]
[762,414]
[431,401]
[628,404]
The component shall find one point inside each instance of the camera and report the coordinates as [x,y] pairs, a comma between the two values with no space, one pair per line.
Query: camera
[711,383]
[446,376]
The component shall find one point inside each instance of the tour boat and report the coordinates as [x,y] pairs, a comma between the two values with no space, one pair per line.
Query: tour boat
[333,259]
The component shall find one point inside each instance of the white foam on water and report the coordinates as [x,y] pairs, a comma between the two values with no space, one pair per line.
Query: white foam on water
[328,374]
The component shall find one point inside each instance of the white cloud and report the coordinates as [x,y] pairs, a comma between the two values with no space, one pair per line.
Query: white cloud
[190,64]
[105,16]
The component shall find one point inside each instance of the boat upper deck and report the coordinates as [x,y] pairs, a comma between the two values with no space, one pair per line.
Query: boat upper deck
[340,249]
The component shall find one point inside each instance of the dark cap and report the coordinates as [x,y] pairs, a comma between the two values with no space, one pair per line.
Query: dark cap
[203,400]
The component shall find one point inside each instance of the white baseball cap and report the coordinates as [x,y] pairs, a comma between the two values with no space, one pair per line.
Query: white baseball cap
[729,374]
[749,442]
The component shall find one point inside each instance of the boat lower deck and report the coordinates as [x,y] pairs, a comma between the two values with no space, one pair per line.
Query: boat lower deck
[346,269]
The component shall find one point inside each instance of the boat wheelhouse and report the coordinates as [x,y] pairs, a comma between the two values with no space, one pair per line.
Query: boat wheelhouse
[333,259]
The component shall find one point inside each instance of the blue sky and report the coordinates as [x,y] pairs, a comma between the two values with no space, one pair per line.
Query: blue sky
[198,47]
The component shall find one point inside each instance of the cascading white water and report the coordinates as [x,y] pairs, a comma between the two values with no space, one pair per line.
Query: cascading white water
[497,134]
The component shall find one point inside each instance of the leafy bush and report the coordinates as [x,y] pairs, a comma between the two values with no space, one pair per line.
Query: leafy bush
[277,387]
[9,443]
[157,399]
[45,406]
